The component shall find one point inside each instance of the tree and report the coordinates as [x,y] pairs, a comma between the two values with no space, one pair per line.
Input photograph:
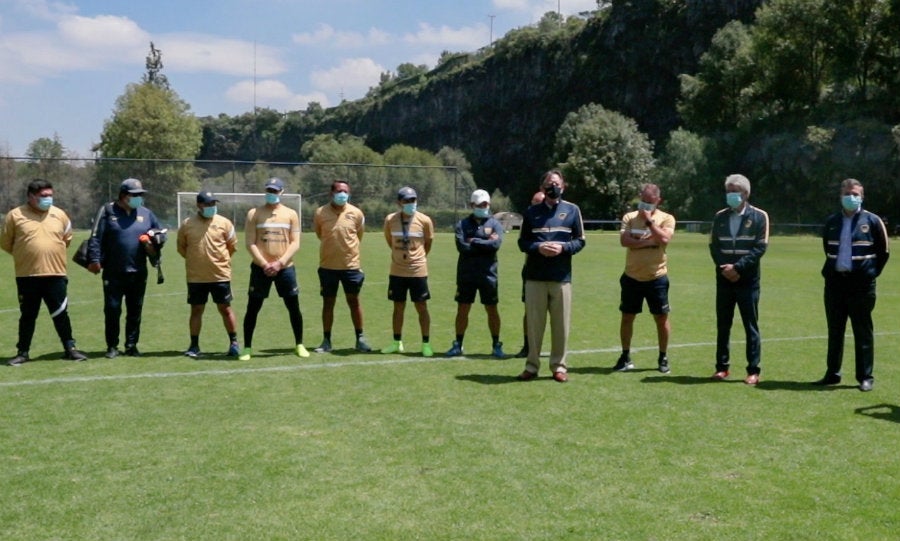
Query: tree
[683,175]
[604,158]
[151,122]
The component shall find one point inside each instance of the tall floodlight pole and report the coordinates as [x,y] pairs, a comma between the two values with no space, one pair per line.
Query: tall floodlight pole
[492,29]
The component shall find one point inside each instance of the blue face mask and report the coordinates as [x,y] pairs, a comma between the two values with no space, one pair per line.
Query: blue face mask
[45,203]
[136,201]
[734,199]
[209,212]
[851,203]
[340,199]
[482,212]
[646,206]
[409,208]
[272,198]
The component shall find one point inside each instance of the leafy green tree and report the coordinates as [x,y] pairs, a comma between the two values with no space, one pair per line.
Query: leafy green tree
[860,36]
[151,122]
[716,97]
[684,173]
[342,151]
[604,158]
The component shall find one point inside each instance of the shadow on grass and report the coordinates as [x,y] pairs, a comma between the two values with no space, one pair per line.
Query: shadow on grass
[491,379]
[885,412]
[687,380]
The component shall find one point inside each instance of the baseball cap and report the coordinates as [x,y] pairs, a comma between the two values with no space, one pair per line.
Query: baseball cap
[406,193]
[132,186]
[479,197]
[275,183]
[206,198]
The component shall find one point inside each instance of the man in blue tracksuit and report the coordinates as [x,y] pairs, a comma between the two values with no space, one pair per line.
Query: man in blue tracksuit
[856,250]
[478,238]
[119,246]
[552,232]
[739,238]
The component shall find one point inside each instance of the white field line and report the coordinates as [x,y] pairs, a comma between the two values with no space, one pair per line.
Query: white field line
[327,365]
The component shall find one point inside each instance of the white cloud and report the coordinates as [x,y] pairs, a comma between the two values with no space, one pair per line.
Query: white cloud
[352,77]
[273,94]
[203,53]
[466,38]
[101,32]
[326,35]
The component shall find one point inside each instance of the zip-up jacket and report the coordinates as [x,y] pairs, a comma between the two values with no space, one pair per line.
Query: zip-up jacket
[869,241]
[477,251]
[744,249]
[560,223]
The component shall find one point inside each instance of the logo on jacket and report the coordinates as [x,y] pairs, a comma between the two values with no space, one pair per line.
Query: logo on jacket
[748,222]
[864,228]
[562,215]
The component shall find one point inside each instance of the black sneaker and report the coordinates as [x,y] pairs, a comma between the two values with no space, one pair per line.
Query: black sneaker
[20,359]
[132,351]
[73,354]
[624,364]
[523,353]
[663,365]
[111,353]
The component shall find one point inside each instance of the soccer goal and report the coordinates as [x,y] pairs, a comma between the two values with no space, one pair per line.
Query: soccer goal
[233,206]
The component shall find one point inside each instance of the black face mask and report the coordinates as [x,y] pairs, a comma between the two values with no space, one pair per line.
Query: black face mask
[553,191]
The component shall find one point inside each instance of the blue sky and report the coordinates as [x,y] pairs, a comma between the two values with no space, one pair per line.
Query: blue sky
[64,63]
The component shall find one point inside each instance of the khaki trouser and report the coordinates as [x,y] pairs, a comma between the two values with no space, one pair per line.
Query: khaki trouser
[541,298]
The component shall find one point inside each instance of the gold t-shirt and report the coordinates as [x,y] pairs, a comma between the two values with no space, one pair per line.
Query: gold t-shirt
[37,240]
[207,245]
[340,231]
[647,263]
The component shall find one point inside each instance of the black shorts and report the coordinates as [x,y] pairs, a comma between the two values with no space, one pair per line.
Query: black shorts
[634,292]
[487,288]
[399,285]
[285,282]
[199,292]
[351,279]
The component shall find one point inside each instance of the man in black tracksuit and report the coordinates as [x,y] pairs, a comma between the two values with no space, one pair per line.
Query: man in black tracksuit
[739,238]
[856,250]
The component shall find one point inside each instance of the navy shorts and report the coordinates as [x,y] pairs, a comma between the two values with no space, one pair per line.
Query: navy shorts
[634,292]
[487,289]
[399,285]
[285,282]
[199,292]
[351,279]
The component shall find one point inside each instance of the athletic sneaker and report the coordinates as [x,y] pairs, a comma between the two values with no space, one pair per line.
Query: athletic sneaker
[523,353]
[20,358]
[497,351]
[426,350]
[301,351]
[362,346]
[663,365]
[73,354]
[192,352]
[455,350]
[324,347]
[624,364]
[395,347]
[246,354]
[234,350]
[132,350]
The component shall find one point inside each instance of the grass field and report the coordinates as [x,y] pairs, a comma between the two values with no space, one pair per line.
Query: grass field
[395,447]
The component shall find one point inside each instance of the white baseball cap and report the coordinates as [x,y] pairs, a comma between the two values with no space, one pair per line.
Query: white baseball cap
[479,197]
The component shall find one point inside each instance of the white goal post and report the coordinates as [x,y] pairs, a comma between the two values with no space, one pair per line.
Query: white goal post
[233,206]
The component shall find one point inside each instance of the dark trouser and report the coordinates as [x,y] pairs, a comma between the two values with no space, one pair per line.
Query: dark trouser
[52,291]
[746,297]
[854,298]
[131,286]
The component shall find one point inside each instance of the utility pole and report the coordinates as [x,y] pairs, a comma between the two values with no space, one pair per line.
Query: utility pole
[492,29]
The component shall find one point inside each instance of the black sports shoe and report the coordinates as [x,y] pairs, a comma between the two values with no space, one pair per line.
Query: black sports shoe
[20,359]
[73,354]
[111,353]
[663,365]
[624,364]
[132,351]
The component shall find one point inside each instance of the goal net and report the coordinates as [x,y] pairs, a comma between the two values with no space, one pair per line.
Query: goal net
[233,206]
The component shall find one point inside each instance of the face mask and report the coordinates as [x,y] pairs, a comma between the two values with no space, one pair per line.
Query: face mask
[340,199]
[482,212]
[646,206]
[409,208]
[553,191]
[272,198]
[734,199]
[45,203]
[135,201]
[209,212]
[851,203]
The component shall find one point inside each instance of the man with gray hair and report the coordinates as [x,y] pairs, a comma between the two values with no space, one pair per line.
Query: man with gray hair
[739,238]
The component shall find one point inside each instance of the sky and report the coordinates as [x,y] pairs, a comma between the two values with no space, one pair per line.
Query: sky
[63,64]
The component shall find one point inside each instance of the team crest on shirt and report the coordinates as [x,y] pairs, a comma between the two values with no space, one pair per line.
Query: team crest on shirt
[140,218]
[748,222]
[562,215]
[488,230]
[864,228]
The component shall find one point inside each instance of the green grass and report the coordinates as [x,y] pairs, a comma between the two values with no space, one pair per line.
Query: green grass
[349,446]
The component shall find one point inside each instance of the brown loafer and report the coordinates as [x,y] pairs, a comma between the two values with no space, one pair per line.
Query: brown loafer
[752,379]
[526,376]
[560,377]
[720,375]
